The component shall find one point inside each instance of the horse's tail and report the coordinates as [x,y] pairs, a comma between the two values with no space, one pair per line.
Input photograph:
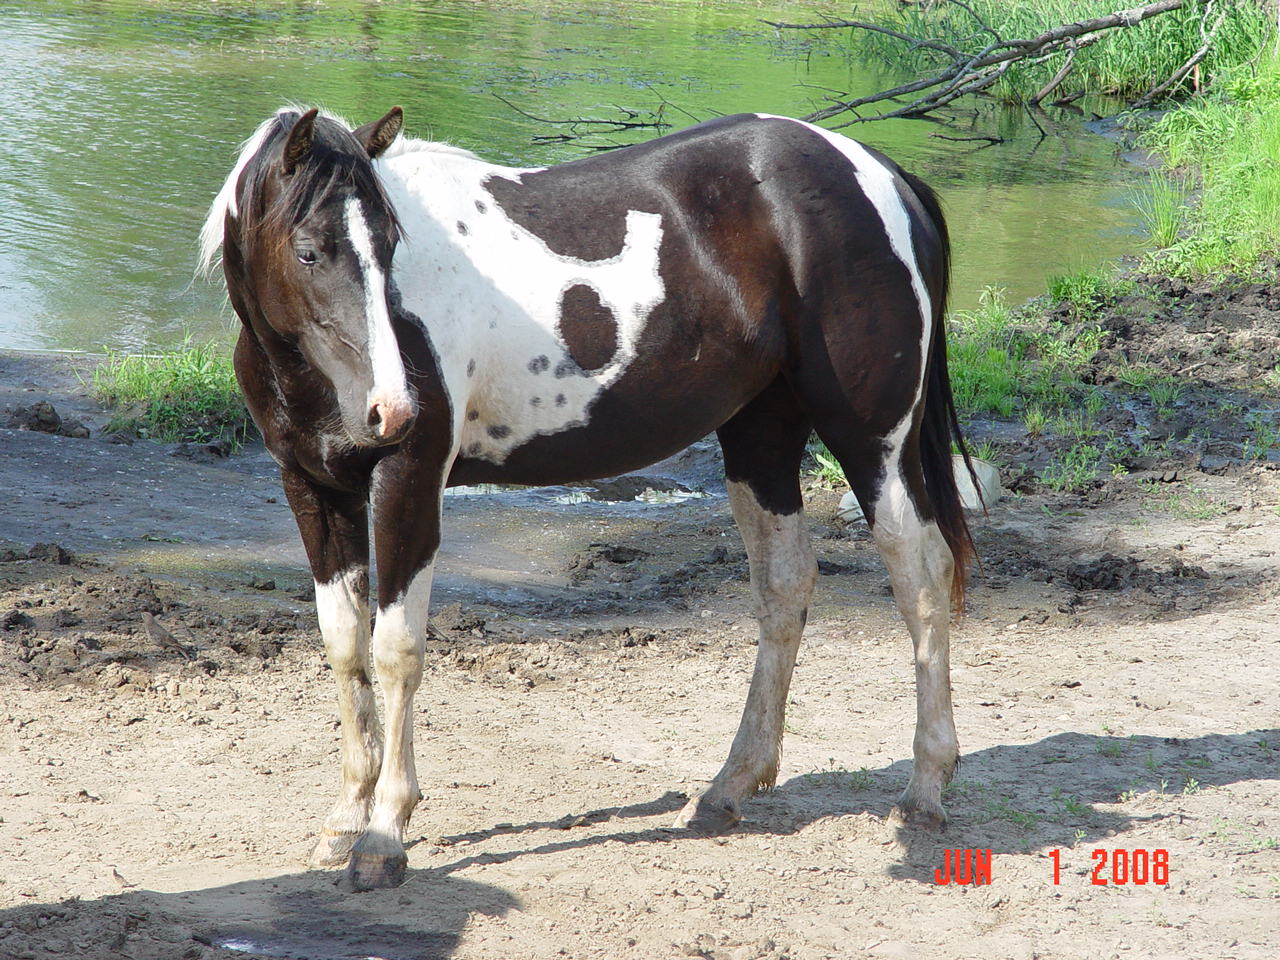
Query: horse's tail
[939,425]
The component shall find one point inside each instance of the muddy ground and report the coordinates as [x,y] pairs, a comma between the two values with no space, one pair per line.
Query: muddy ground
[1115,681]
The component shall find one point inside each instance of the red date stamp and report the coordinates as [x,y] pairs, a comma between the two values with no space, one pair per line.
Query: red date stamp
[1120,867]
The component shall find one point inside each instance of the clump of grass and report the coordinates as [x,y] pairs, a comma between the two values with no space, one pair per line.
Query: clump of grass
[1003,362]
[1263,436]
[828,471]
[1074,470]
[986,357]
[1162,204]
[188,394]
[1086,291]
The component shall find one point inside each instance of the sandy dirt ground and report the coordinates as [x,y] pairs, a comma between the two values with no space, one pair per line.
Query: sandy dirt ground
[1116,682]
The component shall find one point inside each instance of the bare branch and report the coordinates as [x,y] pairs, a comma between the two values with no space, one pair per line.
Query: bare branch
[872,27]
[1058,77]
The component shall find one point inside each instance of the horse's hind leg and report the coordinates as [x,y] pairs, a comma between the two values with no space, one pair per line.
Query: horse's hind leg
[920,566]
[763,445]
[337,543]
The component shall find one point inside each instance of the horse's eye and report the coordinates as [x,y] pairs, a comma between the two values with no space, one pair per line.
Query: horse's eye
[307,258]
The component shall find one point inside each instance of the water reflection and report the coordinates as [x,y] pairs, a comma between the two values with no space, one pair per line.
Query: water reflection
[120,118]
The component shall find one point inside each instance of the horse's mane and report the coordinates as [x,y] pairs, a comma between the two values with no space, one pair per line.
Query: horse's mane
[225,203]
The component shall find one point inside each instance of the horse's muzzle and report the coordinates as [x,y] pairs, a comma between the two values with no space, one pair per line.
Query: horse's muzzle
[391,415]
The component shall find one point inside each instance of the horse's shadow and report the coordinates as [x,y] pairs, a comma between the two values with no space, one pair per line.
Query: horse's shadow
[303,916]
[1009,799]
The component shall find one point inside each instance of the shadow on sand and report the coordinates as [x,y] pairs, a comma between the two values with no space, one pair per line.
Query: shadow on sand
[1010,799]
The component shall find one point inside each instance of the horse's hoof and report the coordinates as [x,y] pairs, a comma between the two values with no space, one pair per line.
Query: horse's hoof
[919,817]
[333,849]
[709,817]
[375,871]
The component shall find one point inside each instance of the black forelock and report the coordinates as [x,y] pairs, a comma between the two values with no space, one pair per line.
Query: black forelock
[337,162]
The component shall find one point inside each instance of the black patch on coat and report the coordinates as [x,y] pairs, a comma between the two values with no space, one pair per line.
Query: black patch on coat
[587,327]
[471,368]
[535,401]
[480,207]
[539,364]
[499,430]
[462,228]
[583,238]
[473,415]
[560,400]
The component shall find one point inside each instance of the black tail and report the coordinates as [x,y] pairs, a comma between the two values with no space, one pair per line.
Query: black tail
[939,426]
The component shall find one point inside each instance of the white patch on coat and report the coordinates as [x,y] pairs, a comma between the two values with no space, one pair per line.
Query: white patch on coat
[343,610]
[383,348]
[488,292]
[399,639]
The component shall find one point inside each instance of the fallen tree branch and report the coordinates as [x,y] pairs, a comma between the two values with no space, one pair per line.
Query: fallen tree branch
[972,72]
[1156,92]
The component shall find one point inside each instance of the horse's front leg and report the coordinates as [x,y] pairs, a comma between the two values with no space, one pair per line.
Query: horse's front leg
[406,538]
[334,530]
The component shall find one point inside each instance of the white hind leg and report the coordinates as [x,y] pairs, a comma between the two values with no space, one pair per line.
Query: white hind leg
[783,572]
[920,567]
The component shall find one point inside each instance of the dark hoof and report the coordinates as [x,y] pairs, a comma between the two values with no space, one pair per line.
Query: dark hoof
[333,849]
[373,871]
[918,817]
[709,817]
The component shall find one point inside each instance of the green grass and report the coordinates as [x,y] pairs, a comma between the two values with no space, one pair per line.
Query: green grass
[1124,62]
[1073,470]
[1227,144]
[189,394]
[1005,363]
[1162,204]
[1086,291]
[828,470]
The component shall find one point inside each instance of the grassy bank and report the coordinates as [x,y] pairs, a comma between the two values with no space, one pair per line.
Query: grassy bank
[188,394]
[1122,63]
[1217,209]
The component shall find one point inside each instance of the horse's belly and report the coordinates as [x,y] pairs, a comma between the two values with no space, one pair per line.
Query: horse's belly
[654,411]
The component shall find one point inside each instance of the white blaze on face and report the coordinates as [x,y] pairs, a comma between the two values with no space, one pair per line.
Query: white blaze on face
[389,385]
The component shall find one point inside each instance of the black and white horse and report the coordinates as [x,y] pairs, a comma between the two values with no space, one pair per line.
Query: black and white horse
[414,317]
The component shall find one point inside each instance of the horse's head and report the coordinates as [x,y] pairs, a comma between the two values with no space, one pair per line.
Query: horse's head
[309,236]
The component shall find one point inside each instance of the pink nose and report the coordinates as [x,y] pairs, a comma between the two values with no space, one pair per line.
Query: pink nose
[390,416]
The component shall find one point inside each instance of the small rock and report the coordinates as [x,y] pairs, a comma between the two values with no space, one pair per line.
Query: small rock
[76,429]
[40,417]
[65,618]
[203,452]
[15,619]
[52,552]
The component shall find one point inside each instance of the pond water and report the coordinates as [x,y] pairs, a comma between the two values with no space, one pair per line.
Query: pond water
[120,118]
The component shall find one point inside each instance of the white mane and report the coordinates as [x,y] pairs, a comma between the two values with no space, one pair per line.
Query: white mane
[225,202]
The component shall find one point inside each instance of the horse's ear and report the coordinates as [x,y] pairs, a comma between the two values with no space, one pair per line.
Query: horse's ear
[377,136]
[298,144]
